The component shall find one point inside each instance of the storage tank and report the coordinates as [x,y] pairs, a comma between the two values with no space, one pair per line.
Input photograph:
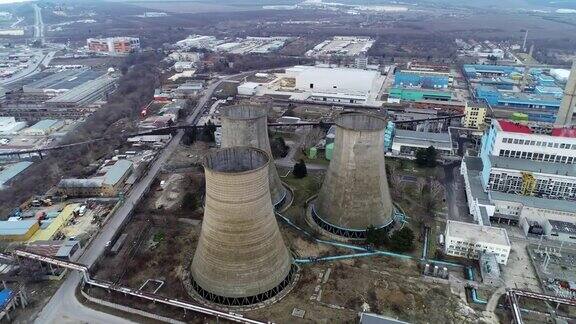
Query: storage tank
[248,126]
[241,258]
[355,192]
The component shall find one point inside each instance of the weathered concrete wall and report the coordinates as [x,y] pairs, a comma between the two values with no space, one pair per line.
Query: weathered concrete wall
[355,191]
[240,252]
[248,126]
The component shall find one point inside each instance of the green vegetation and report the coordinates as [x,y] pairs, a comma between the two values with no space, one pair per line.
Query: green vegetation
[300,170]
[191,201]
[279,147]
[208,132]
[377,237]
[402,240]
[426,157]
[158,237]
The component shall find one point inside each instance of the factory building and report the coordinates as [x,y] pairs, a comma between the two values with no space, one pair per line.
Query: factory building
[419,94]
[355,192]
[84,94]
[423,79]
[11,171]
[113,45]
[407,142]
[9,125]
[43,127]
[343,85]
[470,241]
[526,173]
[18,230]
[517,159]
[475,115]
[59,83]
[108,184]
[475,71]
[494,97]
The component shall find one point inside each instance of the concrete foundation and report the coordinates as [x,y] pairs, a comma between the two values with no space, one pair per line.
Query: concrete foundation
[248,126]
[241,257]
[355,193]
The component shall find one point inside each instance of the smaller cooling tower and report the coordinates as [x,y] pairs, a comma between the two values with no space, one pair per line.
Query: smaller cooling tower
[355,192]
[248,126]
[241,258]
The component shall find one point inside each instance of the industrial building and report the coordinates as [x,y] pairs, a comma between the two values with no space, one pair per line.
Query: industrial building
[475,71]
[407,142]
[342,46]
[423,79]
[85,94]
[43,127]
[526,172]
[113,45]
[248,126]
[470,241]
[475,115]
[355,193]
[11,171]
[18,231]
[60,82]
[494,97]
[108,184]
[419,94]
[241,258]
[329,84]
[9,125]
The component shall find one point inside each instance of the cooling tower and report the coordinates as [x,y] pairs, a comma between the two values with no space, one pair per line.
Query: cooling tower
[241,258]
[355,191]
[248,126]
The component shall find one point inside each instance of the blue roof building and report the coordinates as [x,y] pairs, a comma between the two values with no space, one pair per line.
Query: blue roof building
[488,93]
[479,70]
[11,171]
[424,79]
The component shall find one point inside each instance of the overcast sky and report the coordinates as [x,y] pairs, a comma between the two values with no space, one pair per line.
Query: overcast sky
[11,1]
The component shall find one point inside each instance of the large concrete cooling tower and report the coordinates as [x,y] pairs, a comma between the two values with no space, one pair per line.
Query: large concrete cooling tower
[241,258]
[355,191]
[248,126]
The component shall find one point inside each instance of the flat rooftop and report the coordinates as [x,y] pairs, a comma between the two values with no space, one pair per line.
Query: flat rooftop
[536,202]
[561,169]
[64,80]
[563,227]
[473,233]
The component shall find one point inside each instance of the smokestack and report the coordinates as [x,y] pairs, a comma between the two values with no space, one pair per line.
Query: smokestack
[355,192]
[525,38]
[566,110]
[248,126]
[241,258]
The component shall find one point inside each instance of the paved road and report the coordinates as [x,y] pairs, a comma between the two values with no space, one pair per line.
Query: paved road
[39,56]
[63,307]
[455,194]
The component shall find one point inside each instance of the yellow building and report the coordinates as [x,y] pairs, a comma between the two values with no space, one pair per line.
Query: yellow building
[18,230]
[475,115]
[49,232]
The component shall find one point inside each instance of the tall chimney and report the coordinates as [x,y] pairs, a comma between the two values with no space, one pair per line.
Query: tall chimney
[566,110]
